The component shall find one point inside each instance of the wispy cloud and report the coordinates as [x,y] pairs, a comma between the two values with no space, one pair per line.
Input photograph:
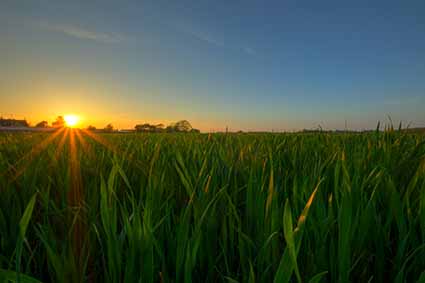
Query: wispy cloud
[211,40]
[202,36]
[81,33]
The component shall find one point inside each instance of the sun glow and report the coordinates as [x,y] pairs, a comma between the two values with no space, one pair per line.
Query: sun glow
[71,120]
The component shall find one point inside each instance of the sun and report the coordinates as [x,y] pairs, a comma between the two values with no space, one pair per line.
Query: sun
[71,120]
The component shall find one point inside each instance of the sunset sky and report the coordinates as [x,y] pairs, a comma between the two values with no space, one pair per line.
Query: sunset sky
[250,65]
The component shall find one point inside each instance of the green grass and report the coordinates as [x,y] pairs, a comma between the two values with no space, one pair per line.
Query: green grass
[213,208]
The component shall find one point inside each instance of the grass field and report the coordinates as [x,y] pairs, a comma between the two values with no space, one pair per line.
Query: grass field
[212,208]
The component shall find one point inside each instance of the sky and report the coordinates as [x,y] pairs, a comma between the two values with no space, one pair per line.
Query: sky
[246,65]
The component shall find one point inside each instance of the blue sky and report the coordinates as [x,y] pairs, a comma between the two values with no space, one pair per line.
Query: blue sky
[250,65]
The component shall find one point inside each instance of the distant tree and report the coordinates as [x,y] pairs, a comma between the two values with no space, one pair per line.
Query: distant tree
[148,128]
[109,128]
[144,128]
[91,128]
[59,123]
[183,126]
[171,128]
[138,127]
[42,124]
[159,128]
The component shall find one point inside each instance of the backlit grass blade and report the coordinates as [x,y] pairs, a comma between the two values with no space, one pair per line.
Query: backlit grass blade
[289,237]
[286,265]
[23,225]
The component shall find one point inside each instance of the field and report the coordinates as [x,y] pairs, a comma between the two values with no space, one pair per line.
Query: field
[83,207]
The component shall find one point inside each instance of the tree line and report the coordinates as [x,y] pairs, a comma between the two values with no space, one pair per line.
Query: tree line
[182,126]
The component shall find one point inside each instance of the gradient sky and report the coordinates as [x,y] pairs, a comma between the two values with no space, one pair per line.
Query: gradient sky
[250,65]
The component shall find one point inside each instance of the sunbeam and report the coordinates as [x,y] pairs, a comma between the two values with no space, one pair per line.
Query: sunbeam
[84,144]
[114,149]
[18,168]
[75,199]
[61,144]
[100,140]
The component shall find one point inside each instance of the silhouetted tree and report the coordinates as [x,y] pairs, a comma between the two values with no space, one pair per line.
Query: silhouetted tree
[109,128]
[183,126]
[159,128]
[144,128]
[170,128]
[42,124]
[59,123]
[148,128]
[91,128]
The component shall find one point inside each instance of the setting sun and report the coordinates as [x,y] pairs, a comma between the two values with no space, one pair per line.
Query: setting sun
[71,120]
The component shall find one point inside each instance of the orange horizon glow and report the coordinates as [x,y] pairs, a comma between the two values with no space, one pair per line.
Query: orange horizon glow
[100,119]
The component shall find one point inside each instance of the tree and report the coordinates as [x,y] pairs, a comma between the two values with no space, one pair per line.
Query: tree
[171,128]
[148,128]
[183,126]
[59,123]
[159,128]
[42,124]
[144,128]
[91,128]
[109,128]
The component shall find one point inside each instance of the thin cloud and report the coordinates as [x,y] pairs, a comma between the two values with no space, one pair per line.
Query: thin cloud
[82,33]
[202,36]
[211,40]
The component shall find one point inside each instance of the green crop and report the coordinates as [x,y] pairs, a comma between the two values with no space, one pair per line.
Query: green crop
[81,207]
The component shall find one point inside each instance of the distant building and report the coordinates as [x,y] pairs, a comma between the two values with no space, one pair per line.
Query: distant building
[13,123]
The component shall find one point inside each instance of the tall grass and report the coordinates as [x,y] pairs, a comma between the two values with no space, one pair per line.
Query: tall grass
[213,208]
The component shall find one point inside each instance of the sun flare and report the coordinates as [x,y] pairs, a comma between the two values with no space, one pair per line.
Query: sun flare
[71,120]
